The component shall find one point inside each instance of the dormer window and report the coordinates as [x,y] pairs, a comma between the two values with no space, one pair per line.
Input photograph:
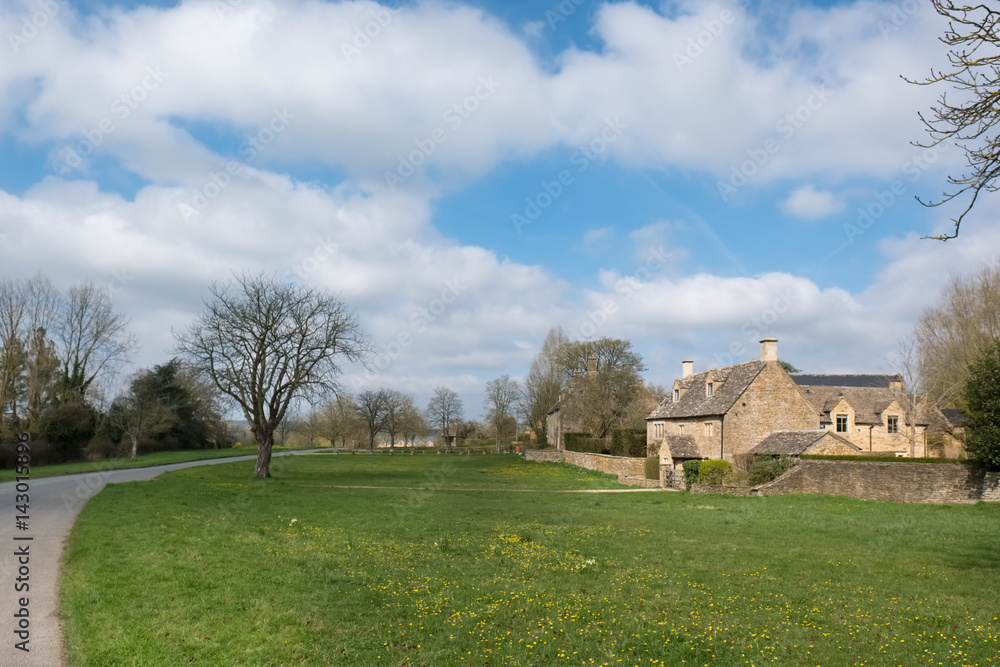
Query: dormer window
[677,395]
[709,389]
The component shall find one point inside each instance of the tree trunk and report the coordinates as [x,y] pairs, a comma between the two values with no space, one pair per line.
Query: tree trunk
[264,444]
[135,445]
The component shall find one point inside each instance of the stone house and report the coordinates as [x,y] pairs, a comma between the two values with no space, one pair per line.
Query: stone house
[870,411]
[723,412]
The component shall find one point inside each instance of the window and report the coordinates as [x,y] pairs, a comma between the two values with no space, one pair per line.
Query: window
[657,430]
[892,425]
[677,395]
[708,429]
[709,388]
[841,423]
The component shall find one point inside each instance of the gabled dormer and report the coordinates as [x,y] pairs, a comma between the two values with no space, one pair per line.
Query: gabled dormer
[711,385]
[678,392]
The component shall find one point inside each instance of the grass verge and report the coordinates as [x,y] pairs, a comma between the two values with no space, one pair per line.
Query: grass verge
[141,461]
[208,566]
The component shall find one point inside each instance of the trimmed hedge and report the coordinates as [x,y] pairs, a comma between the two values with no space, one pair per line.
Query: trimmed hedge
[585,444]
[691,470]
[715,472]
[652,467]
[768,468]
[629,442]
[890,459]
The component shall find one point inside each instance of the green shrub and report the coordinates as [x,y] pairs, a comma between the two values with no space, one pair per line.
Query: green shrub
[652,467]
[715,472]
[691,470]
[584,443]
[767,468]
[629,442]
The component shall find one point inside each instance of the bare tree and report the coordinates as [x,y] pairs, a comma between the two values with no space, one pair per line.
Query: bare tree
[412,423]
[138,412]
[973,36]
[501,396]
[544,382]
[957,330]
[395,411]
[444,411]
[265,343]
[92,339]
[606,396]
[373,407]
[340,419]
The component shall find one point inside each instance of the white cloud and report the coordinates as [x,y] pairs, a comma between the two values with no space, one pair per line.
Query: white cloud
[808,203]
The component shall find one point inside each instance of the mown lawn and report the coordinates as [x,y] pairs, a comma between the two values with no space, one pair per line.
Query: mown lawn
[141,461]
[206,566]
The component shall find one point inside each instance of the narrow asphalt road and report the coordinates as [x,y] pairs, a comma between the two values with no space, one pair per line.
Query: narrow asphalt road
[30,558]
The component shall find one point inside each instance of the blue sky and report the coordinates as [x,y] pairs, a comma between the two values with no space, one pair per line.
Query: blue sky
[691,176]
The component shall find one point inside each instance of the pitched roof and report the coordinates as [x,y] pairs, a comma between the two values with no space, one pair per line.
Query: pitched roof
[868,402]
[793,442]
[682,447]
[730,383]
[954,416]
[861,381]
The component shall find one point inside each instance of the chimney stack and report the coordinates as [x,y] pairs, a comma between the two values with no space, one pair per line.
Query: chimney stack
[687,368]
[591,365]
[769,349]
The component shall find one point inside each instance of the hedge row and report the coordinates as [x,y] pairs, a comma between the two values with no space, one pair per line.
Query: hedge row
[624,442]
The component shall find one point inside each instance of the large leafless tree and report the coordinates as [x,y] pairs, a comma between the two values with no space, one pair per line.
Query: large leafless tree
[91,338]
[544,382]
[444,411]
[955,331]
[501,397]
[265,343]
[373,409]
[973,35]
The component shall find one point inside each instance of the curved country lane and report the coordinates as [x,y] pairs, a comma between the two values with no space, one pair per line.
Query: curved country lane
[54,503]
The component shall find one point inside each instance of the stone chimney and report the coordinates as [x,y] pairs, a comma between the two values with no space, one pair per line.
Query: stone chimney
[591,365]
[769,349]
[687,368]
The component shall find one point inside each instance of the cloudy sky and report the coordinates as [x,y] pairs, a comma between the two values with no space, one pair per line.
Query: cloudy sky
[692,176]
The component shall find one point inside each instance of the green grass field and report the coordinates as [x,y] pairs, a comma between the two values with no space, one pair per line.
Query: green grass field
[207,566]
[141,461]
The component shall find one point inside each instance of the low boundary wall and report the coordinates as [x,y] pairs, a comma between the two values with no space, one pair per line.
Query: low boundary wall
[622,466]
[879,480]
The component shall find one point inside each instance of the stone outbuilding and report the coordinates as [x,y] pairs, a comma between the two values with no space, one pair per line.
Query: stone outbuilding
[795,443]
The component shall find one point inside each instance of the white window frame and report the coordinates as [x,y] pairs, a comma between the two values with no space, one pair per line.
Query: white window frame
[709,389]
